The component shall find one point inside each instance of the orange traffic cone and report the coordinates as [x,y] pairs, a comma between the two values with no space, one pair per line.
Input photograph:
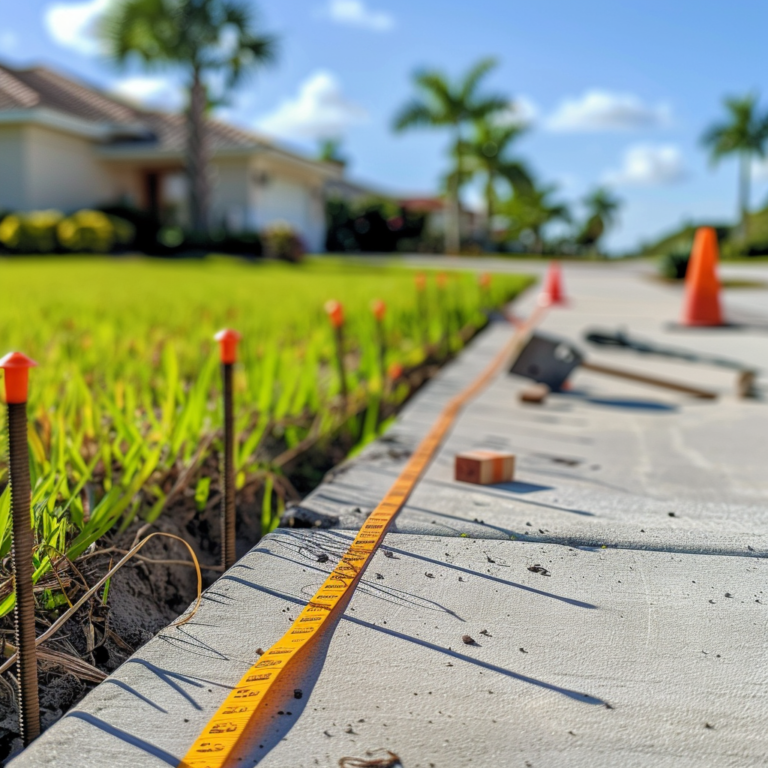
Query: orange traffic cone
[553,287]
[702,287]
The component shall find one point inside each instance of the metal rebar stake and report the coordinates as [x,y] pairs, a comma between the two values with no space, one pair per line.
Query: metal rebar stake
[18,455]
[228,497]
[340,362]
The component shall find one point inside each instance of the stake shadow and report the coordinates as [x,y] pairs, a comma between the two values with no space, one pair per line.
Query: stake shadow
[128,689]
[495,579]
[567,692]
[128,738]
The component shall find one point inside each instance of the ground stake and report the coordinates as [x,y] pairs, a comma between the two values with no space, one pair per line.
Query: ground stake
[228,340]
[16,368]
[336,315]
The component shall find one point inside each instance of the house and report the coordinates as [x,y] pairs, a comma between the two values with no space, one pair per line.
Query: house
[472,222]
[66,145]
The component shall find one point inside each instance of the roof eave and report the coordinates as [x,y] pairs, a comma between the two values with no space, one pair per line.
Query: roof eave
[59,121]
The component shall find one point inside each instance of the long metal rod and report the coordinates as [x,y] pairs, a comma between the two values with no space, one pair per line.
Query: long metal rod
[228,472]
[18,455]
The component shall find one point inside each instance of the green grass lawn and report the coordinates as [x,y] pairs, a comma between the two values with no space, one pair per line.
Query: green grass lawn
[126,397]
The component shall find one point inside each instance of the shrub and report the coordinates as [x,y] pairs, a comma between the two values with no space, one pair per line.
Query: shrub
[673,266]
[281,242]
[30,232]
[371,226]
[146,226]
[93,232]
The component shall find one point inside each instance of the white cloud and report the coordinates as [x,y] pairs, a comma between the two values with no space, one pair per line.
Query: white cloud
[72,24]
[9,41]
[600,110]
[151,92]
[522,111]
[357,14]
[319,111]
[649,165]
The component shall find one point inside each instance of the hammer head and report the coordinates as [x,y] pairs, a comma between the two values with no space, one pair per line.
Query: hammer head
[547,360]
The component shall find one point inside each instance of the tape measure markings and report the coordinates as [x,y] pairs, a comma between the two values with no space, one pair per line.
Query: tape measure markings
[221,735]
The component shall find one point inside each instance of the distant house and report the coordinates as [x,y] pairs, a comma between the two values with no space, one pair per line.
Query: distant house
[434,208]
[66,145]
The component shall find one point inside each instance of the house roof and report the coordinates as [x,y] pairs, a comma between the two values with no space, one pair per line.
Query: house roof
[40,89]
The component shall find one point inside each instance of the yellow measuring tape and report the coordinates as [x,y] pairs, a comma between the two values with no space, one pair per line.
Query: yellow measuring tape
[221,736]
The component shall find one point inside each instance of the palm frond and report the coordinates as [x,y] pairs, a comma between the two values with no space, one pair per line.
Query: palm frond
[475,75]
[415,114]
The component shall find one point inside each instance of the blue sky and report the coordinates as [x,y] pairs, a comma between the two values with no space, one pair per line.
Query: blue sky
[615,92]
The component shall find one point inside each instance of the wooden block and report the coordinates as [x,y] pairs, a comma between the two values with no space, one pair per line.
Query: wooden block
[537,393]
[484,467]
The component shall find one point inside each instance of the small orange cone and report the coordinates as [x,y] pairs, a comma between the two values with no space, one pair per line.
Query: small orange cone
[553,287]
[702,287]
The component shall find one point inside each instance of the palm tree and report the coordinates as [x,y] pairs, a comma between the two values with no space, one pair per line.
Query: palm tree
[486,153]
[744,133]
[602,208]
[445,104]
[331,152]
[532,210]
[205,39]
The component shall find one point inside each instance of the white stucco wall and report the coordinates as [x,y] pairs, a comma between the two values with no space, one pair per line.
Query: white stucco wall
[12,178]
[44,168]
[282,192]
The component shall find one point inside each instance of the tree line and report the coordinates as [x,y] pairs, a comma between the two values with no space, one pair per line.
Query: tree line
[220,41]
[483,129]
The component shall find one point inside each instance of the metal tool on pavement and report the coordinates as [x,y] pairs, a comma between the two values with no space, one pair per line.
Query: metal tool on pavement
[550,360]
[745,380]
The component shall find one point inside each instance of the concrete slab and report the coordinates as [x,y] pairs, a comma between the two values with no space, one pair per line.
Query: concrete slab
[612,657]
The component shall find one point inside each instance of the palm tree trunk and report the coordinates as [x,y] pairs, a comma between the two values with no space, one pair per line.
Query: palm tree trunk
[198,156]
[489,193]
[744,172]
[453,220]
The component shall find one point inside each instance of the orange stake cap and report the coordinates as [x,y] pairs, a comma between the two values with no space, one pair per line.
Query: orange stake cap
[379,309]
[335,313]
[16,366]
[485,280]
[228,340]
[421,281]
[442,280]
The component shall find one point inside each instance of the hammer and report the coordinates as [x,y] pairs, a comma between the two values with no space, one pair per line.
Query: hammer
[551,360]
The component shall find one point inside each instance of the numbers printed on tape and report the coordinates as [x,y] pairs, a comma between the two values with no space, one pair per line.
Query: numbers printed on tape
[255,683]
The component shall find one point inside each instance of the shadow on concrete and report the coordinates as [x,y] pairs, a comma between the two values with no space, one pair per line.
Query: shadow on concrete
[170,678]
[128,738]
[503,491]
[369,587]
[636,405]
[496,579]
[567,692]
[343,541]
[190,644]
[127,688]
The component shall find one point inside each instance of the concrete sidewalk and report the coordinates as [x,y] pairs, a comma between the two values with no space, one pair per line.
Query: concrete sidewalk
[638,641]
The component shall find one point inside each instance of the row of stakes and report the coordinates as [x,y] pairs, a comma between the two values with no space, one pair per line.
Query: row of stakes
[16,366]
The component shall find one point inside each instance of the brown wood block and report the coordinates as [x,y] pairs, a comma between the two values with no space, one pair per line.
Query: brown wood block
[484,467]
[537,393]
